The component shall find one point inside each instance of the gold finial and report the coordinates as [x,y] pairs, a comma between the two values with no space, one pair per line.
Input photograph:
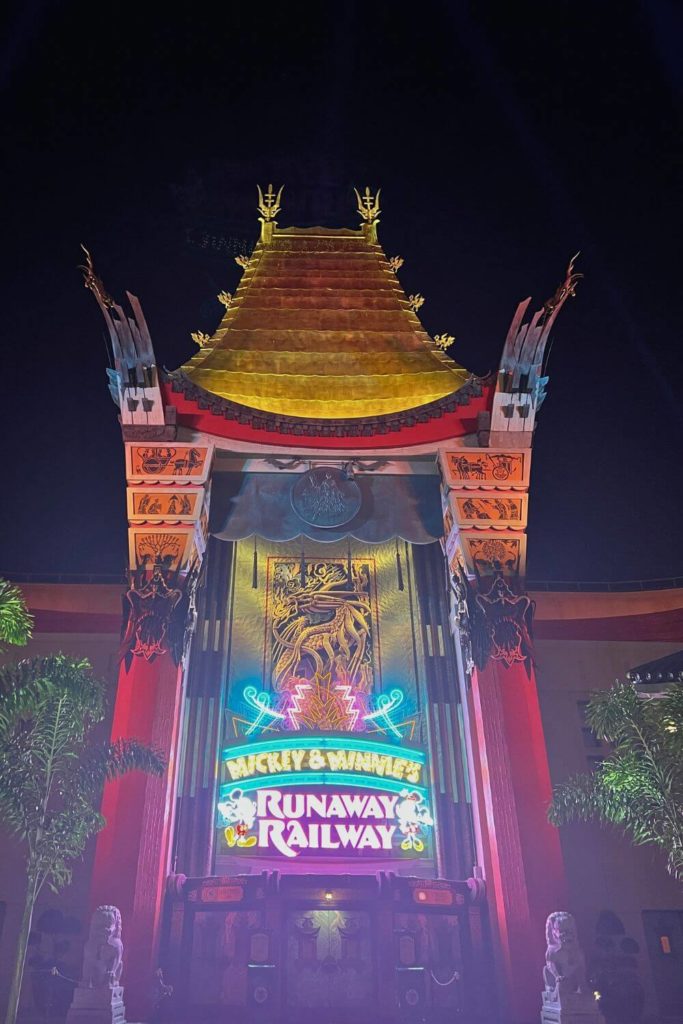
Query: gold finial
[242,261]
[225,299]
[269,205]
[396,262]
[415,301]
[200,338]
[94,283]
[368,205]
[443,341]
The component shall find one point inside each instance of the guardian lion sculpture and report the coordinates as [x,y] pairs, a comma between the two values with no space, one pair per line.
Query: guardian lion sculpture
[103,952]
[567,998]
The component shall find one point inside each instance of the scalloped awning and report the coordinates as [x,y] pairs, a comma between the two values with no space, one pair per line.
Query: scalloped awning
[391,506]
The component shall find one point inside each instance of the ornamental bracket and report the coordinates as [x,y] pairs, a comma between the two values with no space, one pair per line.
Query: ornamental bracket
[522,377]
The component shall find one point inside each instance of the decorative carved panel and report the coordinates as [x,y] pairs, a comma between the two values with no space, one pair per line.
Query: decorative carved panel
[487,554]
[476,467]
[218,967]
[161,504]
[167,463]
[486,511]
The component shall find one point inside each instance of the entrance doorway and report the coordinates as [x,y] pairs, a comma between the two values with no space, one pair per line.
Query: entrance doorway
[329,962]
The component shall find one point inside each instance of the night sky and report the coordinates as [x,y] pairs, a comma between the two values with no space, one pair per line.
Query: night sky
[503,142]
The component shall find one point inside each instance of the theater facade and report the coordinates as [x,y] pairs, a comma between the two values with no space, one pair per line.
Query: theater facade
[346,506]
[327,633]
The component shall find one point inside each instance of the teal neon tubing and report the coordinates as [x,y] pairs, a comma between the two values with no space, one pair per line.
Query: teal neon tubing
[324,743]
[321,779]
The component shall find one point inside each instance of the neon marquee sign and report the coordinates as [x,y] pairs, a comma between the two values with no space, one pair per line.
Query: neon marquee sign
[324,796]
[322,704]
[312,757]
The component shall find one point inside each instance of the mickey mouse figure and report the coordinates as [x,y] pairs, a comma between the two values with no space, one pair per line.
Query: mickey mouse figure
[239,815]
[413,815]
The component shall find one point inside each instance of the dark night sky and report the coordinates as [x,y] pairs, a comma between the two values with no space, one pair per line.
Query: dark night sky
[503,143]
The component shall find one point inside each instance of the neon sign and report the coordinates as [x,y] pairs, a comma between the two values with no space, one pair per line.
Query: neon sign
[317,759]
[265,714]
[386,705]
[324,796]
[290,823]
[322,704]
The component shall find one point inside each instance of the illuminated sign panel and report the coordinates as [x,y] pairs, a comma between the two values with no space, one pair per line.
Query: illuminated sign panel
[324,796]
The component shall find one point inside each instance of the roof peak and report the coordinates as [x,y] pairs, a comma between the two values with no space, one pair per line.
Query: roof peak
[320,327]
[270,204]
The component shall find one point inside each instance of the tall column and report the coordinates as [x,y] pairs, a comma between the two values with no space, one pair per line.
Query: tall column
[485,506]
[485,509]
[167,507]
[131,859]
[167,501]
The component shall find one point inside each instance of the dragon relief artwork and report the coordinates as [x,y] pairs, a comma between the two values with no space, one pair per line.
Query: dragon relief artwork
[323,626]
[321,659]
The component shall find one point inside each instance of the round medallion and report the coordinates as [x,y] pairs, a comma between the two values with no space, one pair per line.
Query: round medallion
[324,497]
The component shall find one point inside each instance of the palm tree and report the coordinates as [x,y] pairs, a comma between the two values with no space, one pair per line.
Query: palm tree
[639,785]
[16,622]
[52,773]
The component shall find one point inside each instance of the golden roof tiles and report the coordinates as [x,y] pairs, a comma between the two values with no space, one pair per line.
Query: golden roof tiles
[320,327]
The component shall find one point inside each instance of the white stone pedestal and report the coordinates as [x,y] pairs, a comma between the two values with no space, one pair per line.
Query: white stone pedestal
[97,1006]
[574,1008]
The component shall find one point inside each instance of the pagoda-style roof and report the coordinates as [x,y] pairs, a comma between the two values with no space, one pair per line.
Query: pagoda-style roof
[320,328]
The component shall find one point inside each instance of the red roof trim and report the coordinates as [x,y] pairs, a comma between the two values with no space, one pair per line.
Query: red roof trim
[435,429]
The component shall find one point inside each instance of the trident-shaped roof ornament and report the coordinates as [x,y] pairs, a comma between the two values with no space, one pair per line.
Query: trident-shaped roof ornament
[368,208]
[368,205]
[268,207]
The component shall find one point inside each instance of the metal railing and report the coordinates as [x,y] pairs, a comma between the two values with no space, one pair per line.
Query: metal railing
[63,577]
[604,586]
[549,586]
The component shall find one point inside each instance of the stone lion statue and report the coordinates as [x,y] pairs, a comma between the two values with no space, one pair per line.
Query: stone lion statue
[565,967]
[103,952]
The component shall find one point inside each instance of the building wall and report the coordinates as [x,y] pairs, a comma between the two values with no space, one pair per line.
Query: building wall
[604,871]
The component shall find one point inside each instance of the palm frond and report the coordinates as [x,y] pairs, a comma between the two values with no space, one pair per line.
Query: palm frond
[16,622]
[32,682]
[639,787]
[111,760]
